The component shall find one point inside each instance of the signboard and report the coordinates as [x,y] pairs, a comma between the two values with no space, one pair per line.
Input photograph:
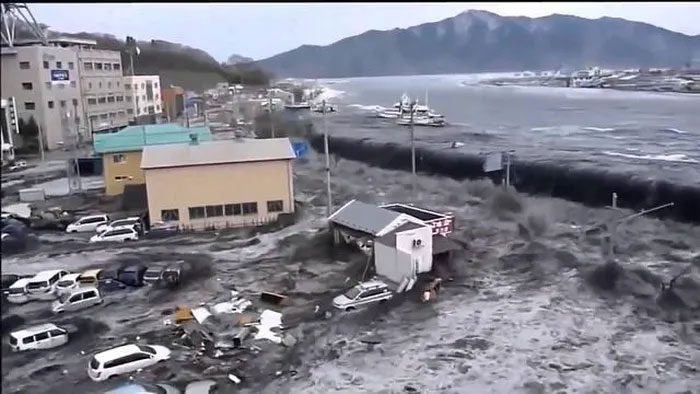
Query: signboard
[60,77]
[300,148]
[493,162]
[442,226]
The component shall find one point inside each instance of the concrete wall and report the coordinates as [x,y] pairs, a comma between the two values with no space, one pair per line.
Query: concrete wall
[106,106]
[405,261]
[421,255]
[51,101]
[194,186]
[114,173]
[142,102]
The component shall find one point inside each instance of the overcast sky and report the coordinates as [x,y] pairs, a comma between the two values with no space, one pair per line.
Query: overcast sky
[260,30]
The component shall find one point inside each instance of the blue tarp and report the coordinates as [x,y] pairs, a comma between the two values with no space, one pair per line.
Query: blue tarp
[300,148]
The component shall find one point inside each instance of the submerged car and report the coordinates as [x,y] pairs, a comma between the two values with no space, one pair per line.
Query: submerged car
[132,275]
[67,284]
[130,221]
[145,388]
[81,298]
[119,234]
[109,285]
[125,359]
[42,336]
[163,229]
[363,293]
[168,276]
[87,224]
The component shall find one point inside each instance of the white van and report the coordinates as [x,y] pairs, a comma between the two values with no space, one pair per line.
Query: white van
[67,284]
[43,285]
[78,299]
[42,336]
[87,224]
[17,292]
[125,359]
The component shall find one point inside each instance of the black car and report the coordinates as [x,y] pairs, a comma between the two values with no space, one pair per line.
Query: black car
[152,275]
[132,275]
[110,285]
[163,230]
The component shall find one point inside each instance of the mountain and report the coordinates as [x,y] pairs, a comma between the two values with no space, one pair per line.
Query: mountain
[236,59]
[176,64]
[479,41]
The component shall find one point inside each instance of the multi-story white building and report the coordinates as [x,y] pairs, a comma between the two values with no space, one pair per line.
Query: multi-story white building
[143,92]
[105,99]
[45,83]
[7,130]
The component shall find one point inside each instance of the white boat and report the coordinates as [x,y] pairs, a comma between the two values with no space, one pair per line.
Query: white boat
[319,108]
[302,105]
[422,121]
[395,111]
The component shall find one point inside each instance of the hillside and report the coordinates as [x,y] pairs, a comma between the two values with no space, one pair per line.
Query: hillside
[478,41]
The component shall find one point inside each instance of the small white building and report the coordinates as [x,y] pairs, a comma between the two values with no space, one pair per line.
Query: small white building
[143,93]
[7,117]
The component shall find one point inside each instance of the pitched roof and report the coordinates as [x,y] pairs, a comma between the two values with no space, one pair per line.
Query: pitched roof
[389,239]
[364,217]
[134,138]
[216,152]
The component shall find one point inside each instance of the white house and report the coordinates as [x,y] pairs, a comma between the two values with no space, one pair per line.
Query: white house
[404,253]
[7,127]
[143,93]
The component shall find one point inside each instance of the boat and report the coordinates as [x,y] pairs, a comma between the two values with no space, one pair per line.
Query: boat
[302,105]
[395,111]
[329,108]
[422,121]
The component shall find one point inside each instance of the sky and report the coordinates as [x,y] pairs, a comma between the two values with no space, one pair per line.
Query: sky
[260,30]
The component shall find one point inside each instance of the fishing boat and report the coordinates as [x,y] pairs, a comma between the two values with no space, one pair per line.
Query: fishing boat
[422,121]
[319,108]
[299,106]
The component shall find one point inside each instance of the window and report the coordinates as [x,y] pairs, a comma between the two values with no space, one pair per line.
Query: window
[27,85]
[143,86]
[130,111]
[75,102]
[119,158]
[112,114]
[157,96]
[75,298]
[196,212]
[110,99]
[98,66]
[27,340]
[63,103]
[87,65]
[104,116]
[70,65]
[157,107]
[93,118]
[117,66]
[136,86]
[50,104]
[41,336]
[143,97]
[46,64]
[120,178]
[232,209]
[250,208]
[120,99]
[138,110]
[59,65]
[275,206]
[102,100]
[128,99]
[121,113]
[99,85]
[28,105]
[155,85]
[72,84]
[117,83]
[170,215]
[89,85]
[108,66]
[109,85]
[127,86]
[214,210]
[56,333]
[92,101]
[24,65]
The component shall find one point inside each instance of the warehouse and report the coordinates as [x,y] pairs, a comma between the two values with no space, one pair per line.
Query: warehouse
[219,184]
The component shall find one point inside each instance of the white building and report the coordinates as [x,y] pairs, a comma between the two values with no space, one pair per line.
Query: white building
[7,129]
[144,93]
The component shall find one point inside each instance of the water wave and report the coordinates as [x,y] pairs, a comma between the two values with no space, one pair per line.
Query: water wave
[677,131]
[675,157]
[601,129]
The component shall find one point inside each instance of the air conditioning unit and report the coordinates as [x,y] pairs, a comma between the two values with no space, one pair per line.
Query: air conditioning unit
[417,243]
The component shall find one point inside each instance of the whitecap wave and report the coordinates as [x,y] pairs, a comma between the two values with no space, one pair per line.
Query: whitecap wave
[675,157]
[600,129]
[677,131]
[328,94]
[367,107]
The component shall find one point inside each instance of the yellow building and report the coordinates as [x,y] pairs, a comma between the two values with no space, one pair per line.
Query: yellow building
[218,184]
[121,151]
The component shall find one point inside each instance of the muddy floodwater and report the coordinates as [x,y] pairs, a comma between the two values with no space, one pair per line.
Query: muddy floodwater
[532,309]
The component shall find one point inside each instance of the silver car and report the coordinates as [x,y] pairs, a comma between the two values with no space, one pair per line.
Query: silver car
[80,298]
[363,294]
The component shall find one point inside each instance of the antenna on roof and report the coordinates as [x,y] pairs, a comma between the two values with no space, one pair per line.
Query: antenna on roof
[13,12]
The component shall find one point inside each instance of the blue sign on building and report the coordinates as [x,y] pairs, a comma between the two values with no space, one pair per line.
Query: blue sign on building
[300,148]
[59,76]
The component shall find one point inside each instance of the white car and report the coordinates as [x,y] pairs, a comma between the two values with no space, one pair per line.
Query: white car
[67,284]
[43,285]
[118,223]
[147,388]
[125,359]
[78,299]
[119,234]
[17,292]
[362,294]
[87,224]
[42,336]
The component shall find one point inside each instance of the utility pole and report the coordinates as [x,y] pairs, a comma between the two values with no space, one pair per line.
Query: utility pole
[509,156]
[329,208]
[413,146]
[272,120]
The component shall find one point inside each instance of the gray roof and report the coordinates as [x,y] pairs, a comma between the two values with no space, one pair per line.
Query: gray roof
[216,152]
[364,217]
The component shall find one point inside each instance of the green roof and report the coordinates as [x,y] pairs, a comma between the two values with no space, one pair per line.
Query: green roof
[134,138]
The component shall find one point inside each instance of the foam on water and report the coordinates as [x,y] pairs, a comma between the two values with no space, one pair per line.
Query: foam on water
[675,157]
[601,129]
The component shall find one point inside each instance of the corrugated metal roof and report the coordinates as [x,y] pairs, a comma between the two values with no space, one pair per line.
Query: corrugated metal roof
[134,138]
[217,152]
[364,217]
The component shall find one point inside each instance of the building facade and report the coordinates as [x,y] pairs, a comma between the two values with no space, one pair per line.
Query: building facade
[45,82]
[121,151]
[145,94]
[173,102]
[243,182]
[7,130]
[105,98]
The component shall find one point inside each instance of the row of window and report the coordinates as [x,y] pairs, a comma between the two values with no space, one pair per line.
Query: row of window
[30,86]
[30,105]
[212,211]
[109,85]
[111,115]
[127,86]
[111,99]
[102,66]
[59,65]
